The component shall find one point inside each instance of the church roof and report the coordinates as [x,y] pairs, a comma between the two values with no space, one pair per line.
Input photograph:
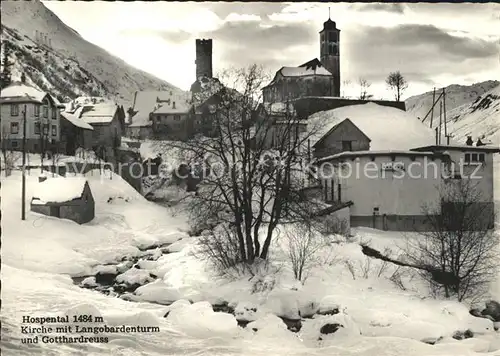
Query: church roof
[310,68]
[313,67]
[330,25]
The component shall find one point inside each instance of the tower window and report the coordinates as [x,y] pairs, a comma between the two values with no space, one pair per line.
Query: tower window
[332,37]
[333,49]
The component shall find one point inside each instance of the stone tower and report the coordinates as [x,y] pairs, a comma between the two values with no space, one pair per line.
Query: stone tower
[203,58]
[329,52]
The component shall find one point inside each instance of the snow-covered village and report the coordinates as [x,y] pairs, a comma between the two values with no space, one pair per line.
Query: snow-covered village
[250,179]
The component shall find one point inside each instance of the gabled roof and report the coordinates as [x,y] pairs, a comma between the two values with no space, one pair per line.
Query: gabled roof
[334,128]
[388,128]
[311,68]
[21,92]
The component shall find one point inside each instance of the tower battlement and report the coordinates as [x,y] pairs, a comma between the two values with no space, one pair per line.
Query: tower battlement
[203,58]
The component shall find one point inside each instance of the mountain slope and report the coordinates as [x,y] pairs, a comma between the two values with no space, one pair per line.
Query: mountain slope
[60,60]
[470,110]
[456,95]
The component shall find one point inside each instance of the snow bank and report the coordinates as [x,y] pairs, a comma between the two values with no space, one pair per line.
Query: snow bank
[135,276]
[157,292]
[199,320]
[329,328]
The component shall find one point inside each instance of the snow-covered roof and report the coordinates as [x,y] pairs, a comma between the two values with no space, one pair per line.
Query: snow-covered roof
[178,103]
[302,71]
[101,113]
[145,103]
[311,68]
[378,153]
[23,92]
[75,120]
[83,100]
[388,128]
[58,190]
[485,148]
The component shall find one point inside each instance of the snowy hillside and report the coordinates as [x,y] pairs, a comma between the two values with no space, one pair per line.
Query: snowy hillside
[470,110]
[456,95]
[480,118]
[56,58]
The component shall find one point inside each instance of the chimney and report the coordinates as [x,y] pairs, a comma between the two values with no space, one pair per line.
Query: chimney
[23,78]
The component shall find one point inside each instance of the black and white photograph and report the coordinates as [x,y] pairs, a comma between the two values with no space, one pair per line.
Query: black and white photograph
[250,178]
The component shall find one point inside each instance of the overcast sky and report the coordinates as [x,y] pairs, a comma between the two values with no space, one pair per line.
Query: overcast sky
[431,44]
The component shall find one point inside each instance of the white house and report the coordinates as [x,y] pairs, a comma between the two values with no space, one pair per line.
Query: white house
[42,118]
[387,164]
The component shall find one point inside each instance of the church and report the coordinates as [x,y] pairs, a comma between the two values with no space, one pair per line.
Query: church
[314,78]
[315,85]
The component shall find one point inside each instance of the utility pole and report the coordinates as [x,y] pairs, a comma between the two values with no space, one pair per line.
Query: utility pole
[444,114]
[433,102]
[23,189]
[440,119]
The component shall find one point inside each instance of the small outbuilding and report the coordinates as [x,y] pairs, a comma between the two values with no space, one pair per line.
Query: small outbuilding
[66,198]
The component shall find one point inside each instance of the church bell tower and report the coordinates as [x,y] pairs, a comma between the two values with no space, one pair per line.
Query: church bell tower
[329,51]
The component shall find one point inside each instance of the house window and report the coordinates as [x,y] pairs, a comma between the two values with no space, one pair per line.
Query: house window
[45,111]
[54,113]
[474,158]
[14,144]
[37,110]
[45,129]
[177,117]
[37,128]
[14,110]
[54,130]
[346,145]
[14,127]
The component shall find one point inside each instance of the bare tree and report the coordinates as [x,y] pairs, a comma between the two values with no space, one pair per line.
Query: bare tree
[345,85]
[396,82]
[43,128]
[458,256]
[364,85]
[244,184]
[304,246]
[7,154]
[55,156]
